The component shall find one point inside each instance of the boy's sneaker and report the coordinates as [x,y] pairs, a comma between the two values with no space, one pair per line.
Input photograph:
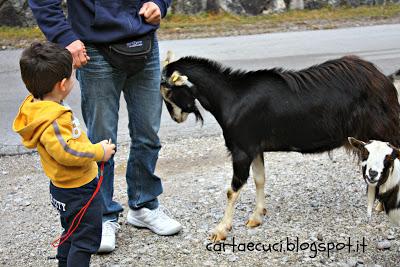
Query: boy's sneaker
[155,220]
[108,236]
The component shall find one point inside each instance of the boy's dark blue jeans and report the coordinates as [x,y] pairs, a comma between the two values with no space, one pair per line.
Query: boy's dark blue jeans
[85,241]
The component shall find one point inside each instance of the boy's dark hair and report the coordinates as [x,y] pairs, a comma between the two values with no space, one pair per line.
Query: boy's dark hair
[43,65]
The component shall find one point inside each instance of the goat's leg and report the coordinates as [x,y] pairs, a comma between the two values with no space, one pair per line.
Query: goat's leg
[370,201]
[241,167]
[221,231]
[259,179]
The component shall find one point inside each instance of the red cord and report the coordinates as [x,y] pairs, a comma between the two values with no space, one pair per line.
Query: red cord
[80,214]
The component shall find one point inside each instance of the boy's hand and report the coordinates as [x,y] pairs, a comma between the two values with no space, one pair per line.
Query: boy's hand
[109,149]
[151,13]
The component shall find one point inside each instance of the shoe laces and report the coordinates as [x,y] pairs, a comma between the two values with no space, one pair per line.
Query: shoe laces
[110,227]
[162,212]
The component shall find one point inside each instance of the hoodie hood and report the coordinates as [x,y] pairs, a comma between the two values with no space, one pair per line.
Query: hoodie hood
[34,117]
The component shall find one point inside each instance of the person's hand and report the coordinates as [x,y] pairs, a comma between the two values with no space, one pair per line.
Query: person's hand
[151,13]
[78,52]
[109,149]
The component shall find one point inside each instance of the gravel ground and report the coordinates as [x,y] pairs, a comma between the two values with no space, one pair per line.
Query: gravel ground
[317,198]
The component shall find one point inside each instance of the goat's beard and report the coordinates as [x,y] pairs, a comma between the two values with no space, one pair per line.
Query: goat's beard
[198,115]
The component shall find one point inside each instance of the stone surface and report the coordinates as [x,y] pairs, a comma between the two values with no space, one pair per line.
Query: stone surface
[296,4]
[10,15]
[384,244]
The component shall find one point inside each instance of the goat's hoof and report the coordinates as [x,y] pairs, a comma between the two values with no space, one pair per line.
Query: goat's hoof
[256,218]
[217,236]
[220,232]
[251,223]
[379,207]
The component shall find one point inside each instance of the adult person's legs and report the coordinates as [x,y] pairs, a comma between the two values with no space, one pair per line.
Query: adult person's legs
[144,103]
[101,87]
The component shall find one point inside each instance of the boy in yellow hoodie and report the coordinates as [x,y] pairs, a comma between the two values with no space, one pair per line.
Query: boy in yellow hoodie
[67,156]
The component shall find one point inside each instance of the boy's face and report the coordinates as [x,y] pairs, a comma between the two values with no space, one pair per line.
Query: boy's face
[69,84]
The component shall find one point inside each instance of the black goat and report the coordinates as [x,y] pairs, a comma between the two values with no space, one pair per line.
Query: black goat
[309,111]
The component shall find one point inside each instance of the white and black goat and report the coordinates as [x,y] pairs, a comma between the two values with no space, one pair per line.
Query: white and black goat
[381,172]
[395,78]
[309,111]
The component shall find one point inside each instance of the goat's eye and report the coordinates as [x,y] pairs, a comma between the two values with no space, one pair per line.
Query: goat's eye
[387,161]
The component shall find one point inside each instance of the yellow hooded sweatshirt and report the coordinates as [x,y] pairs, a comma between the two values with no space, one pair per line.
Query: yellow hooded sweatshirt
[68,159]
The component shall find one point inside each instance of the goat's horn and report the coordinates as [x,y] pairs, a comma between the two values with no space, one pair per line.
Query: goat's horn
[175,76]
[178,79]
[169,58]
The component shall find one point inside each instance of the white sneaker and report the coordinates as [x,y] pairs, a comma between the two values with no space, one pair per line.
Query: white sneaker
[155,220]
[108,237]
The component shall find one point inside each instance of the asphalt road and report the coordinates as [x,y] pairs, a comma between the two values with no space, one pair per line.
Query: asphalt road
[295,50]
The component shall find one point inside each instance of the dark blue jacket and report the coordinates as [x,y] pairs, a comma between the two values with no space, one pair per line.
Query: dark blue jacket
[96,21]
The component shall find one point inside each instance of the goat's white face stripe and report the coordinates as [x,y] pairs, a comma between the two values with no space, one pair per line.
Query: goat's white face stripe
[377,152]
[178,114]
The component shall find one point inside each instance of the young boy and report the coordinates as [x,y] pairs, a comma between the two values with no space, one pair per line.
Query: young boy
[67,156]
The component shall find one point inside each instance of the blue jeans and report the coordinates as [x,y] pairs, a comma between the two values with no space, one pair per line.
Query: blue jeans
[101,87]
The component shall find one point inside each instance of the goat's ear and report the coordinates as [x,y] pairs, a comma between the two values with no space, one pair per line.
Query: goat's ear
[168,59]
[177,79]
[356,143]
[396,153]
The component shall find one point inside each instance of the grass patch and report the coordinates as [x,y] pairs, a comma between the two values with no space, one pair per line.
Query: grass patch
[328,13]
[15,34]
[206,23]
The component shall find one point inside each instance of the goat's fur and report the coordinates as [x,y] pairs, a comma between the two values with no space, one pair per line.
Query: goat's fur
[381,172]
[309,111]
[395,78]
